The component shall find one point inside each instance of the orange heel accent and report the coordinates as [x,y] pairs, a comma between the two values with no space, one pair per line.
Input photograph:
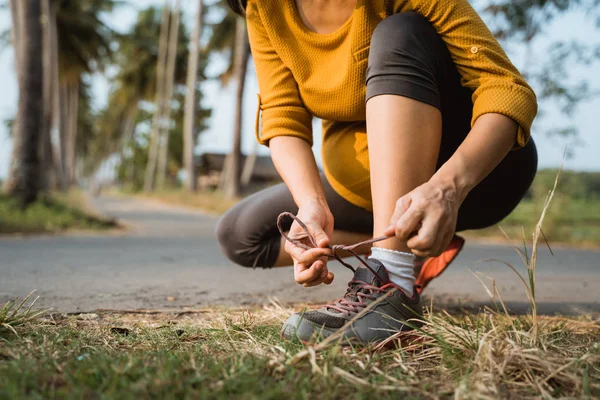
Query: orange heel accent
[433,267]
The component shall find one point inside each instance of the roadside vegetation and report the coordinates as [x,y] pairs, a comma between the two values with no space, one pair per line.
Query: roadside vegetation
[214,202]
[50,214]
[573,218]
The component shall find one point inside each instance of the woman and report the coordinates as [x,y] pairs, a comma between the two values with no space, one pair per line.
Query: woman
[426,128]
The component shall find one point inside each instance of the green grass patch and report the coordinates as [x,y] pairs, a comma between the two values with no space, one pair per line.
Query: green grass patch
[240,354]
[50,214]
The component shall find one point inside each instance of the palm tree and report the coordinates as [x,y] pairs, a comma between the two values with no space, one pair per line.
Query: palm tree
[163,43]
[190,99]
[84,47]
[229,38]
[25,183]
[13,34]
[14,31]
[240,62]
[135,88]
[168,94]
[76,42]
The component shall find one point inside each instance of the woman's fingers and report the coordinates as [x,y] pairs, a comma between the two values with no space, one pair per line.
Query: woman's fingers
[433,237]
[329,279]
[314,275]
[306,257]
[408,223]
[310,266]
[306,274]
[318,234]
[428,233]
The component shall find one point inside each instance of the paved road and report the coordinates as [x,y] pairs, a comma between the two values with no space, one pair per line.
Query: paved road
[170,252]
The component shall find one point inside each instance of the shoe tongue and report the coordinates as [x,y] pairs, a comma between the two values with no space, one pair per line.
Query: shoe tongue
[366,275]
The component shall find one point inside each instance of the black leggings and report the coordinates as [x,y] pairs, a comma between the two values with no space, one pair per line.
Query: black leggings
[407,58]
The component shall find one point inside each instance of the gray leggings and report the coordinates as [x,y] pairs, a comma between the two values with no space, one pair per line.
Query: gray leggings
[407,58]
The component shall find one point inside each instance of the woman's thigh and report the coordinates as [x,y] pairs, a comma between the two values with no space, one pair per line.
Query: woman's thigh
[248,233]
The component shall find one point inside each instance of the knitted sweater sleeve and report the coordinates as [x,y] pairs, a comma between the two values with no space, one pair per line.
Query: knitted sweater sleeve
[497,85]
[283,113]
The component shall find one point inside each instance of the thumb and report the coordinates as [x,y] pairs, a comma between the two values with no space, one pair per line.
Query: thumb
[319,235]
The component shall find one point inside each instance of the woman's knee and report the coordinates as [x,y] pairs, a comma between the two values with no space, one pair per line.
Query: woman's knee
[231,240]
[241,242]
[407,58]
[399,31]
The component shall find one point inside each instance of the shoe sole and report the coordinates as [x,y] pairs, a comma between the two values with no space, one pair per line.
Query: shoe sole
[398,342]
[289,331]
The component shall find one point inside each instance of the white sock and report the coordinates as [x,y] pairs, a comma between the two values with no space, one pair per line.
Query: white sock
[400,267]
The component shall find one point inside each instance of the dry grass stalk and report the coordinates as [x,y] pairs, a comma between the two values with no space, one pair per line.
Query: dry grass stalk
[533,261]
[13,314]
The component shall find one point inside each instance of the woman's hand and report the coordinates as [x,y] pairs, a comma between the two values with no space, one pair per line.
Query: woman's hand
[426,218]
[310,266]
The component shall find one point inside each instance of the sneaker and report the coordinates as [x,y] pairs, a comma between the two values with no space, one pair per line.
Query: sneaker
[388,317]
[433,267]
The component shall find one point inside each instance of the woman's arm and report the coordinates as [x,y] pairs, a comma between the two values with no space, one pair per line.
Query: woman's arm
[296,164]
[490,140]
[282,112]
[431,210]
[287,130]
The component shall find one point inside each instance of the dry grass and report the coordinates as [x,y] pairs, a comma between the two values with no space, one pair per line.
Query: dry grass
[209,201]
[16,313]
[221,353]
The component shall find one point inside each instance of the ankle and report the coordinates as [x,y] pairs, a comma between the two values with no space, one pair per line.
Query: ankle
[399,266]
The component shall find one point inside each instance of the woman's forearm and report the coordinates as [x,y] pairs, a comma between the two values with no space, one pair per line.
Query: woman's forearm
[490,140]
[296,164]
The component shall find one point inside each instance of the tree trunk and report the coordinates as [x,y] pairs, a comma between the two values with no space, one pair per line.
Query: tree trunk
[48,180]
[63,131]
[128,134]
[15,33]
[242,54]
[163,158]
[249,165]
[189,140]
[57,125]
[25,171]
[73,120]
[159,100]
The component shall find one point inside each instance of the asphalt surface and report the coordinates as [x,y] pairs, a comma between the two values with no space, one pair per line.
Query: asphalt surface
[168,258]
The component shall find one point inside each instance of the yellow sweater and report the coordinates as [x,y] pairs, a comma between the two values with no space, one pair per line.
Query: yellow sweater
[302,74]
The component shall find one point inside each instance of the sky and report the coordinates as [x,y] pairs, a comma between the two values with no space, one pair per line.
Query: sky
[218,137]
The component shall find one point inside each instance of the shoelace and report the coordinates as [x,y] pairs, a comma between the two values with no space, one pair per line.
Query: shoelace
[343,305]
[347,306]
